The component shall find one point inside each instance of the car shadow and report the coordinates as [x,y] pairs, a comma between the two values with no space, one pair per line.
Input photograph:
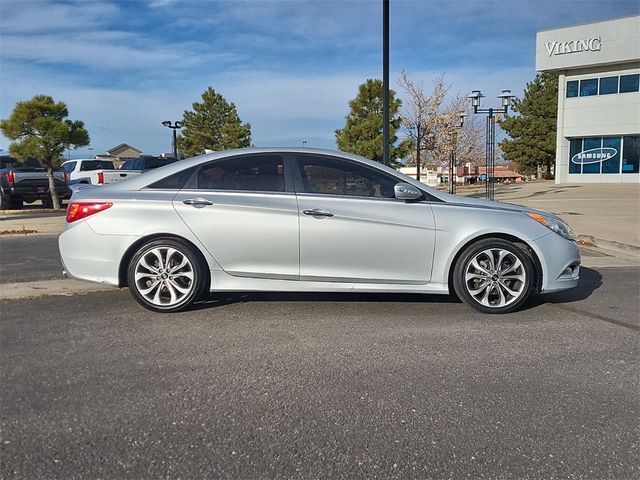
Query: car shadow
[214,299]
[590,281]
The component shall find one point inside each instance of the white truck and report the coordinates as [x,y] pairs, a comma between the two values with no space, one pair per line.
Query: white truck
[92,171]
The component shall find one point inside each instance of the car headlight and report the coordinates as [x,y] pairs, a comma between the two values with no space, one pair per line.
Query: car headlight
[555,224]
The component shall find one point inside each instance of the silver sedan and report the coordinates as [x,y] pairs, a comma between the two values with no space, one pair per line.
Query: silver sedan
[309,220]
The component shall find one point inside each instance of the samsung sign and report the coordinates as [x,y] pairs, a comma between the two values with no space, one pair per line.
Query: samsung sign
[594,155]
[593,44]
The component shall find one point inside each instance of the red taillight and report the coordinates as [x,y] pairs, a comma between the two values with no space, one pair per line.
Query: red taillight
[10,178]
[66,177]
[101,178]
[79,210]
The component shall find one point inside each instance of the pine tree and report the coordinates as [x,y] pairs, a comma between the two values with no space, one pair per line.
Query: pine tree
[362,133]
[213,124]
[533,131]
[40,129]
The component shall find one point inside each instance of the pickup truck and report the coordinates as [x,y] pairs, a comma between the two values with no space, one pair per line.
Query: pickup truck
[27,182]
[92,171]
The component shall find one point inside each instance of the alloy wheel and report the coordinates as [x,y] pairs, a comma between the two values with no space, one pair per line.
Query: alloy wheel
[495,278]
[164,276]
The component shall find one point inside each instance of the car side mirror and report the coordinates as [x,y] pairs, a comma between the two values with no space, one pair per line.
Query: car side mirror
[406,191]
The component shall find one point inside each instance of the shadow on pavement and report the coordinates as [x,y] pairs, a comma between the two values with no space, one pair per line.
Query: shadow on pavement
[217,300]
[590,280]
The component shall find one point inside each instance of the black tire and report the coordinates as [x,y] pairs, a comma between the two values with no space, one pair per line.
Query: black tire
[487,289]
[15,203]
[4,202]
[47,202]
[159,273]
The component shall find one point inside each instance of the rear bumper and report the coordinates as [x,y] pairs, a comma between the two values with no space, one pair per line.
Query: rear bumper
[560,259]
[86,255]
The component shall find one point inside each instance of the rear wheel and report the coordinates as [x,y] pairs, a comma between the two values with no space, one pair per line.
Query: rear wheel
[494,276]
[166,275]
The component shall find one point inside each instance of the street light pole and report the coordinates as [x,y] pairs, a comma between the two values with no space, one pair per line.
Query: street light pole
[174,126]
[490,151]
[453,174]
[385,81]
[418,141]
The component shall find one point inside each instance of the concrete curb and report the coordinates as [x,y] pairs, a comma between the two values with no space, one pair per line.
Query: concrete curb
[612,245]
[45,288]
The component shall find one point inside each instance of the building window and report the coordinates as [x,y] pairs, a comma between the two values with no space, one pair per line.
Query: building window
[611,164]
[572,88]
[589,87]
[631,154]
[629,83]
[608,85]
[604,155]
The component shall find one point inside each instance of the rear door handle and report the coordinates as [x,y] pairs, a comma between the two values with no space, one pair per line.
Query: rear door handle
[197,202]
[318,212]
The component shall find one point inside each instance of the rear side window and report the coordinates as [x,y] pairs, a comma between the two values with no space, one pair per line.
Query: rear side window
[89,165]
[175,181]
[263,173]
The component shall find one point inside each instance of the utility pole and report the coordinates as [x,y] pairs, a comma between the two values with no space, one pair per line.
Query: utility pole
[385,80]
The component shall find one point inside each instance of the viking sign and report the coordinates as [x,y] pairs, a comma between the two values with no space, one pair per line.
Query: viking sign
[594,155]
[574,46]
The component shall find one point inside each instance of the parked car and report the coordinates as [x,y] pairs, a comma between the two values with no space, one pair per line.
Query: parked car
[28,181]
[147,162]
[288,220]
[93,171]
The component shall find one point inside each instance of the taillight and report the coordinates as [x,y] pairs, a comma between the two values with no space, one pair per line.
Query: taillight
[10,178]
[66,177]
[80,210]
[101,178]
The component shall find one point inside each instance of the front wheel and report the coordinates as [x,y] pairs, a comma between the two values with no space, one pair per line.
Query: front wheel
[166,275]
[494,276]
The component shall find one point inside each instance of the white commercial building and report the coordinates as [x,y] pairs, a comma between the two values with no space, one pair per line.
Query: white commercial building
[598,64]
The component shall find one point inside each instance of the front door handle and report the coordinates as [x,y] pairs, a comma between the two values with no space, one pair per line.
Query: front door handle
[318,212]
[197,202]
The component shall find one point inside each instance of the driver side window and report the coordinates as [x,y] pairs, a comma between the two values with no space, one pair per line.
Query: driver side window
[330,176]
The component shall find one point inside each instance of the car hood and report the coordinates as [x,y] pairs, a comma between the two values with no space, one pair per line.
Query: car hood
[492,205]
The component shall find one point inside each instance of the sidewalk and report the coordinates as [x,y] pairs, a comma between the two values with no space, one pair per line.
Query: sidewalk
[608,215]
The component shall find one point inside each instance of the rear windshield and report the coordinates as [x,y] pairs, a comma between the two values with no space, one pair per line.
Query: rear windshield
[88,165]
[10,162]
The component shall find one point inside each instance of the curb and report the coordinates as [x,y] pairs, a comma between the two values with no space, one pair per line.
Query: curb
[47,288]
[612,245]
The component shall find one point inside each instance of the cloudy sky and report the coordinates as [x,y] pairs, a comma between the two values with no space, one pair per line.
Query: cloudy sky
[290,66]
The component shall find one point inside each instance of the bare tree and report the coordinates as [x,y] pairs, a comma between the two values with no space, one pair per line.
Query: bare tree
[434,124]
[421,115]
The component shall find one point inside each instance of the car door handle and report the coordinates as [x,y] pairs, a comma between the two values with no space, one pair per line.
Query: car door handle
[197,202]
[318,212]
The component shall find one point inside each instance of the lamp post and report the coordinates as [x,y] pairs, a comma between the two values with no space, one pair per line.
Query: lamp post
[454,147]
[490,152]
[90,152]
[385,82]
[175,126]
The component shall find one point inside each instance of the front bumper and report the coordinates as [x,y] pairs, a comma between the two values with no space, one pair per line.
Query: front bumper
[560,261]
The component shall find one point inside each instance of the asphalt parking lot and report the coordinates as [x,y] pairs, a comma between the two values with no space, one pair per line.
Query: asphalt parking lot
[323,386]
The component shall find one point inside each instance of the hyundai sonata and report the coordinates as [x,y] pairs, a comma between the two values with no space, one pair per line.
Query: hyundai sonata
[309,220]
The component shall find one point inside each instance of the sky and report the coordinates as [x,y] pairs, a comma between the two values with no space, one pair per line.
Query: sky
[290,67]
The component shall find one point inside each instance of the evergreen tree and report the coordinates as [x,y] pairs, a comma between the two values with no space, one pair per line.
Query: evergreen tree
[213,124]
[362,132]
[533,131]
[40,129]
